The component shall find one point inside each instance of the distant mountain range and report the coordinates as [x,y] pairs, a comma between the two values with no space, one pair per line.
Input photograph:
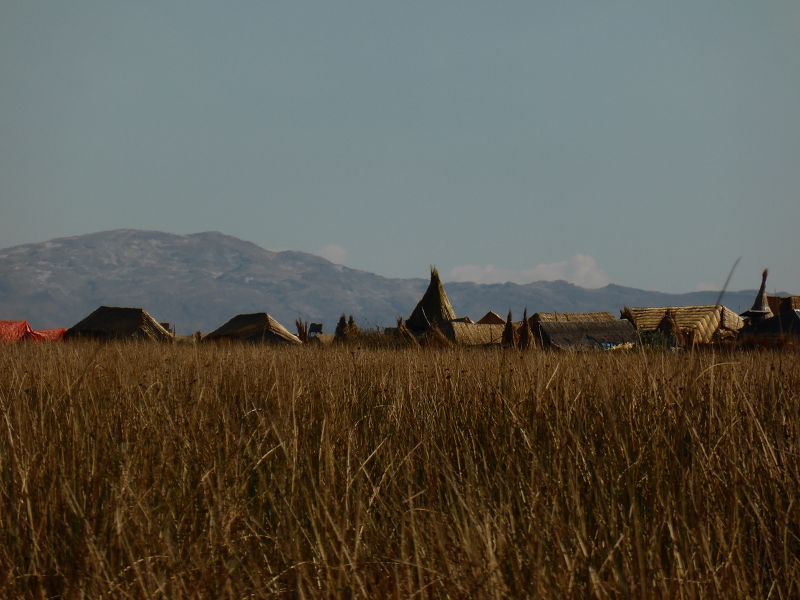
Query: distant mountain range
[199,281]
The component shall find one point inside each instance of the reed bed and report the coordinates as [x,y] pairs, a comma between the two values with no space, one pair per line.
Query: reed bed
[143,470]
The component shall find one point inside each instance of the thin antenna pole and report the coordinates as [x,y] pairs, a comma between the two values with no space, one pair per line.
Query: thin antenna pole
[727,281]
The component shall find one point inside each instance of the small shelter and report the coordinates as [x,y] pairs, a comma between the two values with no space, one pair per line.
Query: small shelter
[491,318]
[434,307]
[256,328]
[117,323]
[20,331]
[696,324]
[585,335]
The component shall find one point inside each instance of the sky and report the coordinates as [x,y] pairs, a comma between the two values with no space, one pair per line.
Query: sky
[643,143]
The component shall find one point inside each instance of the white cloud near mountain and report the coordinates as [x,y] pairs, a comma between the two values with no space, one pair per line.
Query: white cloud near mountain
[334,253]
[581,270]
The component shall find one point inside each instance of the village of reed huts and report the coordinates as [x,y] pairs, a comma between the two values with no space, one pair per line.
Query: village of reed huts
[772,321]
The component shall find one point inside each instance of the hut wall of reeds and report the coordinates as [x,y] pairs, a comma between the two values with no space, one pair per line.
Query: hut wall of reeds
[583,335]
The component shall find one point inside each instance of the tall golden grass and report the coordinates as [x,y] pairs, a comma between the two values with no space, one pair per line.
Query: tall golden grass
[232,471]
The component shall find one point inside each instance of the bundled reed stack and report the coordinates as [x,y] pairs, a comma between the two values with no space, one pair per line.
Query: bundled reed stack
[524,333]
[302,330]
[509,334]
[346,329]
[403,334]
[435,338]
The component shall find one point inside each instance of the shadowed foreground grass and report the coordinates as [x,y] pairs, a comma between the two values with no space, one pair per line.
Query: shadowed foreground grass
[143,470]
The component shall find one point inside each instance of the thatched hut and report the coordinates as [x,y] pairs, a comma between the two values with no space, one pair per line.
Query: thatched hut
[117,323]
[697,324]
[255,328]
[434,307]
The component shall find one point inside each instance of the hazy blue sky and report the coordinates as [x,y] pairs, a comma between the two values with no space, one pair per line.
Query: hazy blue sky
[645,143]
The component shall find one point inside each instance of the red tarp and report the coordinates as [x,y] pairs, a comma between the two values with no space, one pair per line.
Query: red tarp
[17,331]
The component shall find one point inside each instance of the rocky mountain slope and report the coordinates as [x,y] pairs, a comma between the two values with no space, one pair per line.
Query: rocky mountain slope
[199,281]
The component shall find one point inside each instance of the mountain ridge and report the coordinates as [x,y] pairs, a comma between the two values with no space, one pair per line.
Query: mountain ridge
[200,280]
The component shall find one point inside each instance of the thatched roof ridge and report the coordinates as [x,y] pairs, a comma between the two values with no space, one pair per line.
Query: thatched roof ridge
[434,307]
[586,334]
[254,327]
[558,317]
[491,318]
[702,322]
[115,322]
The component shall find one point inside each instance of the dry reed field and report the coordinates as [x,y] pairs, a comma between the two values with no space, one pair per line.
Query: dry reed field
[133,470]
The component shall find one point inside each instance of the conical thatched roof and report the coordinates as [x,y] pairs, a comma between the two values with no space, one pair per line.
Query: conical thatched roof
[434,307]
[760,309]
[256,327]
[116,323]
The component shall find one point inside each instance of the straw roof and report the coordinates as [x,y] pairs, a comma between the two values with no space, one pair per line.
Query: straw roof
[434,307]
[670,329]
[256,327]
[117,323]
[577,335]
[471,334]
[556,317]
[491,318]
[700,324]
